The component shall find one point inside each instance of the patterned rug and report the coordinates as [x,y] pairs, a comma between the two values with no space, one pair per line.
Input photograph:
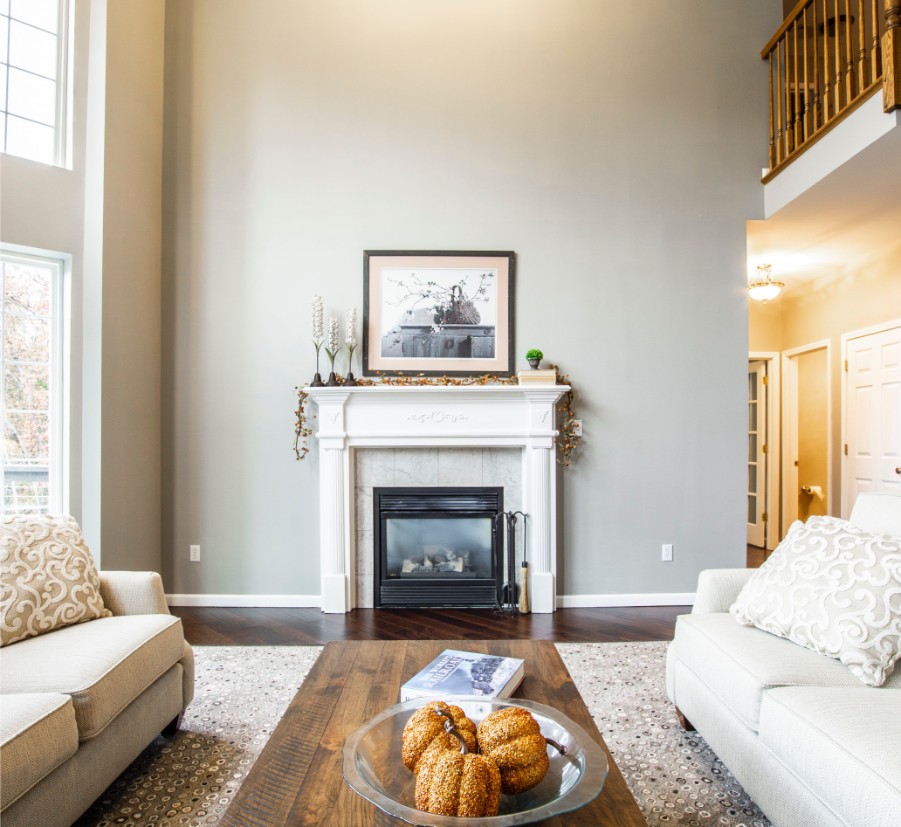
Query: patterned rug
[190,780]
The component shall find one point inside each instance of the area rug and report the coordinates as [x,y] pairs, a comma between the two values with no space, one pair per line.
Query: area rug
[242,692]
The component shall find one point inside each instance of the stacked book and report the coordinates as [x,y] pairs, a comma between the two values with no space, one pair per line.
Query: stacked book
[465,673]
[537,377]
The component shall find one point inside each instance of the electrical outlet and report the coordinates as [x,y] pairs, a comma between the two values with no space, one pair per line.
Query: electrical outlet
[577,427]
[667,553]
[195,554]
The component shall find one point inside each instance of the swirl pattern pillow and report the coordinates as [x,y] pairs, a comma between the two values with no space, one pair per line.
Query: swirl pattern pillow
[47,577]
[834,588]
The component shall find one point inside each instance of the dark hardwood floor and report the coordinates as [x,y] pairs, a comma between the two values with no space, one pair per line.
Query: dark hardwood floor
[307,627]
[310,627]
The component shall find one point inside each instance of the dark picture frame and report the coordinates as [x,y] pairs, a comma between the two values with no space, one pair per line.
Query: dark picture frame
[438,313]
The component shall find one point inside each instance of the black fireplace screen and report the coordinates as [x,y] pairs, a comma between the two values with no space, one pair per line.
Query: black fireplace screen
[436,546]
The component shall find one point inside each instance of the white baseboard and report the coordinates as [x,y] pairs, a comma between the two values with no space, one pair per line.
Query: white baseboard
[314,601]
[271,601]
[588,601]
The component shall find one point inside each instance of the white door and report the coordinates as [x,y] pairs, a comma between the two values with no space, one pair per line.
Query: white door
[757,416]
[872,415]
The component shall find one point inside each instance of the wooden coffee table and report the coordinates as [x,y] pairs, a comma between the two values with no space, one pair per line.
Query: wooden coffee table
[298,779]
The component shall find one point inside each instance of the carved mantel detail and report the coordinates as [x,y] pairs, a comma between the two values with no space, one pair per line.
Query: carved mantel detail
[437,417]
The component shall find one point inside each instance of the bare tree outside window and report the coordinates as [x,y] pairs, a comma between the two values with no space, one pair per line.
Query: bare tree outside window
[29,377]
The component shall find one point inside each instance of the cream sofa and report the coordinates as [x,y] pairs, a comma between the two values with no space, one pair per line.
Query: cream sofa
[810,743]
[79,704]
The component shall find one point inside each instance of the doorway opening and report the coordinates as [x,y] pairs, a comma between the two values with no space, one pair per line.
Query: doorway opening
[806,428]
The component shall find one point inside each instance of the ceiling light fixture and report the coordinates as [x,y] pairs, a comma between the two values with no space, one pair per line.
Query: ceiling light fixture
[763,287]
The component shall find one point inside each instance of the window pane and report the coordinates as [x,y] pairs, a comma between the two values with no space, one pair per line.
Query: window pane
[29,140]
[26,338]
[26,387]
[26,290]
[4,6]
[31,398]
[3,88]
[27,438]
[32,49]
[42,13]
[32,97]
[25,497]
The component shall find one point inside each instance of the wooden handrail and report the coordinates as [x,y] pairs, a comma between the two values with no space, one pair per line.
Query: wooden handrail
[824,60]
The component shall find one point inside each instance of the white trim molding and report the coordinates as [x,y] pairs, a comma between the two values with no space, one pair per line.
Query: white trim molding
[591,601]
[314,601]
[247,601]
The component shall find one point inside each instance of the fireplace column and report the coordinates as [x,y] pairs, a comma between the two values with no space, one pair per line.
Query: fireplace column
[540,499]
[334,497]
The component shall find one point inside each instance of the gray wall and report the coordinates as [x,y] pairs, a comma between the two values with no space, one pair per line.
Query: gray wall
[616,147]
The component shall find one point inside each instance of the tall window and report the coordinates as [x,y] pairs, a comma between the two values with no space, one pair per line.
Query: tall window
[33,383]
[34,46]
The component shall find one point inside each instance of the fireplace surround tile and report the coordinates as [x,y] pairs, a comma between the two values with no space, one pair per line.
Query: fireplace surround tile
[415,466]
[460,466]
[374,466]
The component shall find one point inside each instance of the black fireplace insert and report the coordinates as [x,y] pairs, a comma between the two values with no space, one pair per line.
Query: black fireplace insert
[437,547]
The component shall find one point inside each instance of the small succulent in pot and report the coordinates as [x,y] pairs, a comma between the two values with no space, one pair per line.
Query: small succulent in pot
[534,357]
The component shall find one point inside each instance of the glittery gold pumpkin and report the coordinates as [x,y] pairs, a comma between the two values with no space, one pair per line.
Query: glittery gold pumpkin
[451,784]
[512,739]
[425,731]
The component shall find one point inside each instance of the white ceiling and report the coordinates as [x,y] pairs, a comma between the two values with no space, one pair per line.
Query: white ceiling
[849,217]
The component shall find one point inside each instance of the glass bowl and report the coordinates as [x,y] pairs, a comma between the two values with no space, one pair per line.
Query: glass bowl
[374,769]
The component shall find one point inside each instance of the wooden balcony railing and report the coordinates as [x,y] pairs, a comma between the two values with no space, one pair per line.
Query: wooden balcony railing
[826,59]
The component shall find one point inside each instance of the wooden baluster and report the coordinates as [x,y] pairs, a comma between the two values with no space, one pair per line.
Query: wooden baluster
[876,50]
[807,95]
[891,56]
[827,85]
[837,67]
[772,120]
[817,91]
[796,96]
[849,57]
[782,111]
[862,81]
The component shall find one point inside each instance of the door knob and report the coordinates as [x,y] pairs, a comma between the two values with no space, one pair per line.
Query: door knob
[898,470]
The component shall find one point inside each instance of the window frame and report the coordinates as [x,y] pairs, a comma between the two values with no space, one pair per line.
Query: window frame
[62,137]
[58,408]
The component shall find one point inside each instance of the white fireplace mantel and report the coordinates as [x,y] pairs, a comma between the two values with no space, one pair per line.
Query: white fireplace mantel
[370,416]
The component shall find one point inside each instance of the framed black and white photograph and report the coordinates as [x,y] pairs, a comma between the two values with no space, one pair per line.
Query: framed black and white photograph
[438,313]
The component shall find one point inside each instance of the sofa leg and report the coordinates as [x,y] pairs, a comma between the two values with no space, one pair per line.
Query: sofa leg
[172,727]
[683,721]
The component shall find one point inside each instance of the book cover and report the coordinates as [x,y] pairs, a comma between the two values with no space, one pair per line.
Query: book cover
[465,673]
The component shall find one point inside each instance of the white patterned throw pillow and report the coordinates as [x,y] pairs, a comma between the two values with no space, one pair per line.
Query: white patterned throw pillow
[834,588]
[47,577]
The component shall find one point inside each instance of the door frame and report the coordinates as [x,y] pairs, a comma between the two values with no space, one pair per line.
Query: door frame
[773,443]
[846,338]
[790,427]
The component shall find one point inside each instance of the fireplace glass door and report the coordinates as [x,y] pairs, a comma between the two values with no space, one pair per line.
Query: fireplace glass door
[436,546]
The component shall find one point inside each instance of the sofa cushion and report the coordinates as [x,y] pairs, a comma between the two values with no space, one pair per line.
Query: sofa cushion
[104,665]
[834,588]
[843,743]
[48,577]
[739,663]
[37,733]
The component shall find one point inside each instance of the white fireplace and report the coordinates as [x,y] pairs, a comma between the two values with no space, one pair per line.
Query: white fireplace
[350,419]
